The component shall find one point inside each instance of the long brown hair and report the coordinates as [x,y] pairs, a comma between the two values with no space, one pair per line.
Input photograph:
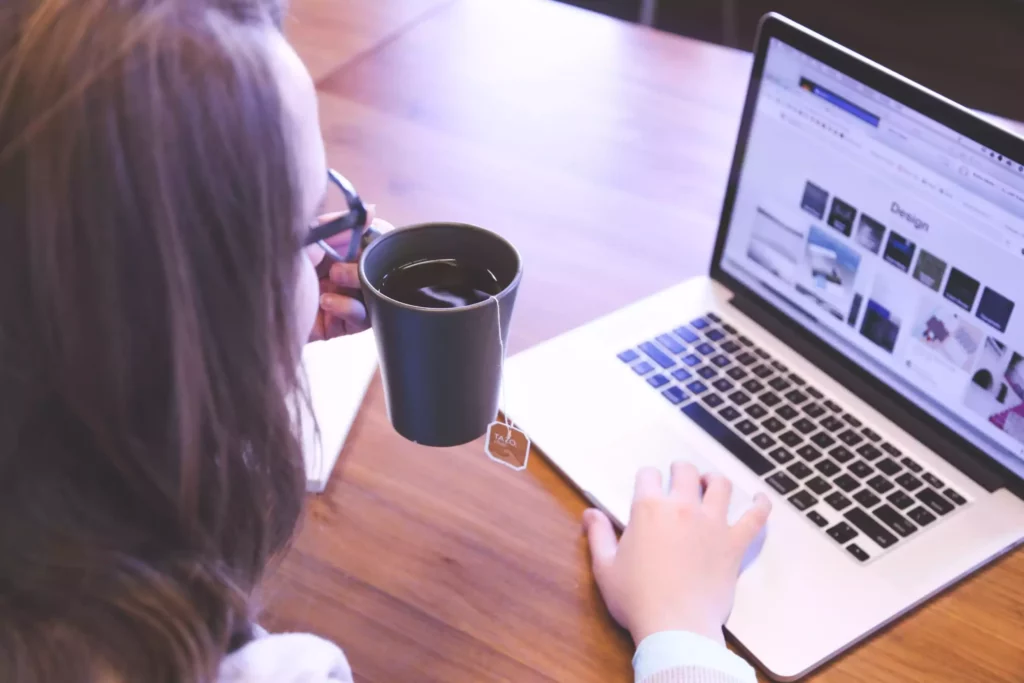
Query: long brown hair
[149,468]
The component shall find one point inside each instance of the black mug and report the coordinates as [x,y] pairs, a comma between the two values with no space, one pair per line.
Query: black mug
[441,366]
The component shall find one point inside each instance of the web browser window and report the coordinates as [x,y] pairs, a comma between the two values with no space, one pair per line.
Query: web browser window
[893,238]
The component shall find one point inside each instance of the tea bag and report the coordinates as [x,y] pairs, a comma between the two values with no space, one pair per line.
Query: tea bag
[505,443]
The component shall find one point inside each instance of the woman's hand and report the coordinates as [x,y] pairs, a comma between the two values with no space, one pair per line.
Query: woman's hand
[341,309]
[676,566]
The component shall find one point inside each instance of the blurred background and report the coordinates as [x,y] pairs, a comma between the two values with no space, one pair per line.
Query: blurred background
[969,50]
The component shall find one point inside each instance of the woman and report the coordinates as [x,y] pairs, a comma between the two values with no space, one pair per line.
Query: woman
[160,164]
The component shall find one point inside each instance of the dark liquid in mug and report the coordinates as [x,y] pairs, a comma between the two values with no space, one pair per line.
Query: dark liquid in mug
[440,283]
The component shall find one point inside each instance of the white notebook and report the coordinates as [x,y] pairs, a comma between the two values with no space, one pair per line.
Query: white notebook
[339,371]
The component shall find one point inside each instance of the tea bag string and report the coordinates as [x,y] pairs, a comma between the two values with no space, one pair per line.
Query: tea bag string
[501,378]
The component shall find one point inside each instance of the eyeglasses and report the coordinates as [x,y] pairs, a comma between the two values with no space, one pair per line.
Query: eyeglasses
[354,220]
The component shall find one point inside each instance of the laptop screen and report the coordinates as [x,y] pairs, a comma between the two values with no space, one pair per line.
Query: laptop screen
[892,238]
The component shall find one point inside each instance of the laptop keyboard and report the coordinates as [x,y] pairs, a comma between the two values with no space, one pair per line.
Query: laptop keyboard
[845,478]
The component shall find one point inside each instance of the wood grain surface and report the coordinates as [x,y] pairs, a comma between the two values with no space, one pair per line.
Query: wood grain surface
[601,150]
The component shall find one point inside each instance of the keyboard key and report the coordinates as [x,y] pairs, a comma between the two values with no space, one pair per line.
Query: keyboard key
[921,516]
[697,387]
[909,481]
[628,356]
[822,440]
[745,341]
[762,353]
[763,441]
[728,413]
[813,410]
[858,552]
[852,421]
[797,379]
[739,398]
[882,537]
[842,532]
[753,386]
[800,470]
[705,349]
[682,374]
[889,466]
[833,406]
[808,453]
[706,372]
[781,482]
[713,318]
[729,346]
[871,434]
[911,465]
[715,335]
[786,412]
[842,454]
[955,497]
[891,450]
[933,480]
[818,485]
[729,328]
[846,482]
[713,400]
[831,423]
[935,502]
[802,500]
[850,437]
[691,360]
[761,371]
[756,411]
[745,427]
[657,380]
[804,426]
[720,361]
[860,468]
[880,484]
[780,455]
[670,343]
[869,452]
[770,399]
[773,425]
[900,500]
[779,384]
[657,355]
[827,467]
[759,464]
[736,373]
[642,368]
[816,517]
[894,520]
[746,358]
[722,384]
[814,393]
[699,323]
[779,366]
[791,439]
[796,397]
[866,498]
[675,395]
[688,335]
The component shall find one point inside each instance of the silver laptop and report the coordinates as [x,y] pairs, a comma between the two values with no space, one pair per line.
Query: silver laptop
[855,352]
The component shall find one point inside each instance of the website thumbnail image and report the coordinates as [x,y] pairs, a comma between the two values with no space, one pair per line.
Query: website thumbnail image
[879,276]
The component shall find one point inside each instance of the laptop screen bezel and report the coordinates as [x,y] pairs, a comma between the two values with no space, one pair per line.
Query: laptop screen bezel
[908,415]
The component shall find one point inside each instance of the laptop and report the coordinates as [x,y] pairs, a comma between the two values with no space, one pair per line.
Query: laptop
[855,352]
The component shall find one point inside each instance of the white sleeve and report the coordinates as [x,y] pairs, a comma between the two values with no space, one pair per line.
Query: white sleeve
[286,658]
[684,657]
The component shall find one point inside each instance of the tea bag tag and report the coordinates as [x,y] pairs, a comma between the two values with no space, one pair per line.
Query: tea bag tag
[506,444]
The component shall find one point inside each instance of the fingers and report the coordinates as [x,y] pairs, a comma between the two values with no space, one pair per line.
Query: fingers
[747,527]
[603,543]
[717,492]
[345,275]
[648,484]
[344,307]
[685,484]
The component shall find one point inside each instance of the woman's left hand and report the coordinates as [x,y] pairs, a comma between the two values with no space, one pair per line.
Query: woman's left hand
[341,309]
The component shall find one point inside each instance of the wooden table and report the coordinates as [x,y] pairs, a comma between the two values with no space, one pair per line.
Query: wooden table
[601,149]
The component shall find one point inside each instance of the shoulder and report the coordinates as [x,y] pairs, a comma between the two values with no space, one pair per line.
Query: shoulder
[286,658]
